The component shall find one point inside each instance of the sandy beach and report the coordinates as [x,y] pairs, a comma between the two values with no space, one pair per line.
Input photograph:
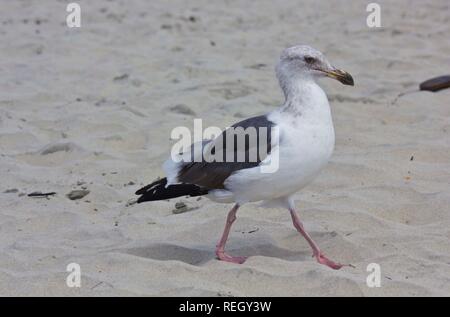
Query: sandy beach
[91,109]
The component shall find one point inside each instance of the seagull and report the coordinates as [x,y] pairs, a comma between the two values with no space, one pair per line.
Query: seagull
[299,138]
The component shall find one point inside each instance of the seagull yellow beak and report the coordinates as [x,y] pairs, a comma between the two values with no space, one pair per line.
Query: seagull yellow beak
[341,76]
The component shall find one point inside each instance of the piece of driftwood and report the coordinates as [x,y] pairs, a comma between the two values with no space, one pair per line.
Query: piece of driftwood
[433,84]
[436,83]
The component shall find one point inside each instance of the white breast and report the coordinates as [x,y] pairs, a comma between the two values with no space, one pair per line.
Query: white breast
[306,142]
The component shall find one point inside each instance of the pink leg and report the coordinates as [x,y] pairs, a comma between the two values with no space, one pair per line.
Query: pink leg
[321,258]
[220,249]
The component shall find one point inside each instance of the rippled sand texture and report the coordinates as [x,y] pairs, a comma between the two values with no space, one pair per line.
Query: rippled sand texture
[93,108]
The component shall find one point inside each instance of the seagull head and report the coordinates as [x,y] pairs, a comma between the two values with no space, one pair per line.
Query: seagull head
[305,61]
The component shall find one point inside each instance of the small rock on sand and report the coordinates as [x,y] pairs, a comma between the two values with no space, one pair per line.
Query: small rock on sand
[11,191]
[182,109]
[121,77]
[181,207]
[58,147]
[77,194]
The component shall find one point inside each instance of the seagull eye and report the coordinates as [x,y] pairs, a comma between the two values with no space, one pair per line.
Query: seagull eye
[309,59]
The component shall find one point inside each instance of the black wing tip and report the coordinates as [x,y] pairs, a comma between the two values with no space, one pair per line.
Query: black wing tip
[140,200]
[158,190]
[146,188]
[140,191]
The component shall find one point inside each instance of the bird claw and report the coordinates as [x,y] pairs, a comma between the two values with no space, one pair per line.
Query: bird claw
[222,256]
[322,259]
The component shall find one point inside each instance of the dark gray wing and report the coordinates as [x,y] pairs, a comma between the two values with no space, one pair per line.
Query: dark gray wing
[212,175]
